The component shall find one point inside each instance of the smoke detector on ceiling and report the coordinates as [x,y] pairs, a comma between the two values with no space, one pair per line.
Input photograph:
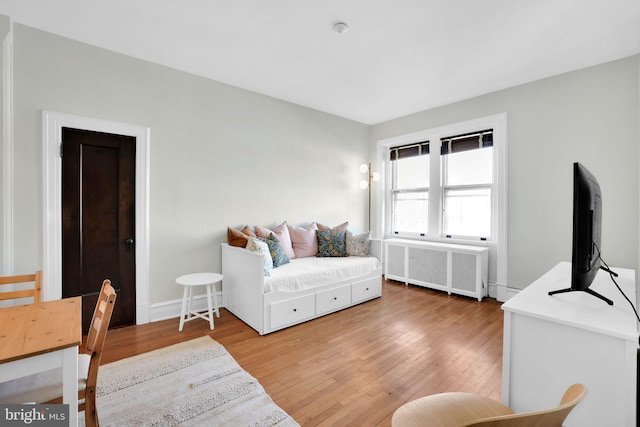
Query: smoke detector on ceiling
[340,27]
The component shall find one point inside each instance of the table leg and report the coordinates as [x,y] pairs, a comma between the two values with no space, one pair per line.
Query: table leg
[215,301]
[185,295]
[70,382]
[189,301]
[209,306]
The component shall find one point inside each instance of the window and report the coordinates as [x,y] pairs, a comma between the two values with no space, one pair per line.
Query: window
[462,192]
[410,187]
[458,194]
[467,177]
[442,186]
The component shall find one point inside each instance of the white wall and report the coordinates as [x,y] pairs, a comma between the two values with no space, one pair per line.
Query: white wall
[5,75]
[220,155]
[4,29]
[590,116]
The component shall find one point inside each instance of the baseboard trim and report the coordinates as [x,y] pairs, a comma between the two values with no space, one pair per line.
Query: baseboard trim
[502,292]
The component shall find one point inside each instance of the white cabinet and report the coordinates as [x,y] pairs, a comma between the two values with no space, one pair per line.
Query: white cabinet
[458,269]
[551,342]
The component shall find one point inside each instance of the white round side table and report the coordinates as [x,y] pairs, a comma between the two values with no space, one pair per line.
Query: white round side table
[189,281]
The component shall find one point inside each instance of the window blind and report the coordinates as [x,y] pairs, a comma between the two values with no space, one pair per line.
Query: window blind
[409,150]
[466,142]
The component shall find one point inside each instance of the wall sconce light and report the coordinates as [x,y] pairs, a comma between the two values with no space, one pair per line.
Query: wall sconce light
[366,183]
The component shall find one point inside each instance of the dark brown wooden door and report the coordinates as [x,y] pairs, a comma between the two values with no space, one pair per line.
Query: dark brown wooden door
[98,218]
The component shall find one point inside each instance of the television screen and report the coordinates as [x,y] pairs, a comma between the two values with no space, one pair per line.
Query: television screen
[587,223]
[587,219]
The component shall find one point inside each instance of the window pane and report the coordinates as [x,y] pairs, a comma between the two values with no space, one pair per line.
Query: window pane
[412,172]
[467,212]
[469,167]
[410,212]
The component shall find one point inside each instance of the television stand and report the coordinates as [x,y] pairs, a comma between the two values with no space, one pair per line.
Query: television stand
[551,343]
[589,291]
[613,273]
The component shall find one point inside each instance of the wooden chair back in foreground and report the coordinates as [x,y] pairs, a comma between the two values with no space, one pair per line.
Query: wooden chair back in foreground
[467,409]
[93,349]
[34,292]
[46,387]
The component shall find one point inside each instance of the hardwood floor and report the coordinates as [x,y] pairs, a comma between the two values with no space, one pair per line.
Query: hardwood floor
[354,367]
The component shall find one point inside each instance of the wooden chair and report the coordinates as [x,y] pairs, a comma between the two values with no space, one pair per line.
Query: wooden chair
[466,410]
[22,293]
[93,352]
[46,387]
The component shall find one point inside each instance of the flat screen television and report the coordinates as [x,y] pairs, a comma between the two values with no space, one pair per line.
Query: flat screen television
[587,226]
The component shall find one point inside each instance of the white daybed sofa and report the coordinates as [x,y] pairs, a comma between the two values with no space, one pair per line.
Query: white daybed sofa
[248,294]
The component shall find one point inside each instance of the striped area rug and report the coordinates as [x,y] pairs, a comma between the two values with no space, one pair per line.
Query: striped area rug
[194,383]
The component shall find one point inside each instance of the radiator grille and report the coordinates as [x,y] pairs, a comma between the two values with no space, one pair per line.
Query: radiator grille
[452,268]
[395,261]
[428,266]
[463,272]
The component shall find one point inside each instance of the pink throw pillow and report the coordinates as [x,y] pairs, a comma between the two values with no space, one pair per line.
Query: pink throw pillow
[282,234]
[304,240]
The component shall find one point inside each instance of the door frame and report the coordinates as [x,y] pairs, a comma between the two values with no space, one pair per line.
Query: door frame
[52,124]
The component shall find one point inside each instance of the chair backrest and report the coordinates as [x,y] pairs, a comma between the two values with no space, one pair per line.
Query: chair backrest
[93,347]
[98,329]
[22,293]
[548,418]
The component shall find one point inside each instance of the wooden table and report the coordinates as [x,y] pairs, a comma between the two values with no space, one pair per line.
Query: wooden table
[43,336]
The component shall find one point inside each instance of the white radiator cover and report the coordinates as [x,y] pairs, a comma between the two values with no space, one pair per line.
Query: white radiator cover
[458,269]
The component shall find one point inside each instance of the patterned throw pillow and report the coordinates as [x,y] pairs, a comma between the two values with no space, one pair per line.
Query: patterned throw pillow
[341,227]
[331,243]
[275,249]
[358,244]
[255,245]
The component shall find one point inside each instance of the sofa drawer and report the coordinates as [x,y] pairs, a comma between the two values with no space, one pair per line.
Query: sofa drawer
[292,311]
[333,299]
[366,289]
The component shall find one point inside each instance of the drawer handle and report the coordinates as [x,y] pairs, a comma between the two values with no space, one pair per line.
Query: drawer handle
[335,298]
[295,309]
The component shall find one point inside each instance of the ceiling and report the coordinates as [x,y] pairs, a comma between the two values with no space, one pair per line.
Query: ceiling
[398,57]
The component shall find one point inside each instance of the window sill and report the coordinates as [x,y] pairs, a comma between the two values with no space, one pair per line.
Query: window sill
[454,241]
